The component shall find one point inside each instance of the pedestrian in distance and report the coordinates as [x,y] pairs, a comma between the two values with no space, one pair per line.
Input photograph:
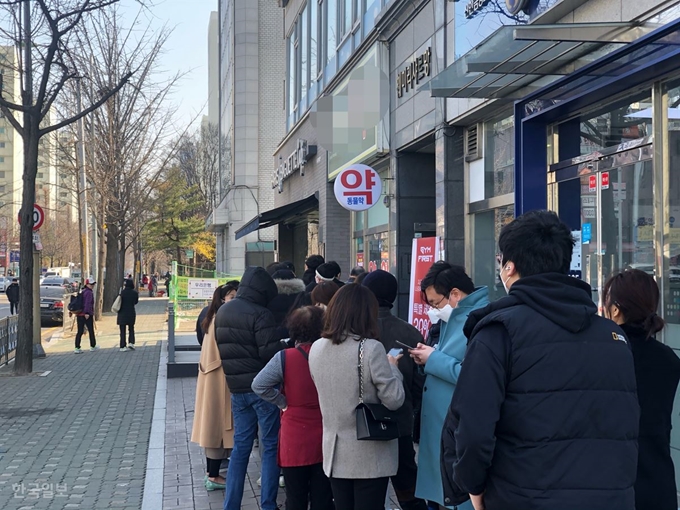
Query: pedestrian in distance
[359,471]
[356,271]
[127,316]
[247,338]
[85,317]
[213,426]
[12,292]
[451,295]
[287,383]
[391,329]
[545,415]
[631,300]
[153,285]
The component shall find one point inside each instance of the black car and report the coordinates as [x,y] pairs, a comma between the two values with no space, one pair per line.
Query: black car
[51,304]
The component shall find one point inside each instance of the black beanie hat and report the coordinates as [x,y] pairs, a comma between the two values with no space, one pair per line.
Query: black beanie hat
[384,285]
[284,274]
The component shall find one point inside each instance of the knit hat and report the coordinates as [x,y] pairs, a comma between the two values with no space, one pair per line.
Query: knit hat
[384,285]
[326,272]
[283,274]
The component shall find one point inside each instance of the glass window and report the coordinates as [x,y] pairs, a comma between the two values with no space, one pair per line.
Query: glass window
[487,228]
[358,221]
[378,252]
[347,17]
[671,223]
[304,58]
[313,47]
[379,214]
[292,103]
[499,158]
[332,29]
[359,251]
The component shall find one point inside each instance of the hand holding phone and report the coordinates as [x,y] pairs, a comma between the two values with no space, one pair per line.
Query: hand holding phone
[409,347]
[395,352]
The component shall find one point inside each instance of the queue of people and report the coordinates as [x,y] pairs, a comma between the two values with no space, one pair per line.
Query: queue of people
[531,402]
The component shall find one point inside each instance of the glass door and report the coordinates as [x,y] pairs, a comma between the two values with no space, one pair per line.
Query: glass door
[607,200]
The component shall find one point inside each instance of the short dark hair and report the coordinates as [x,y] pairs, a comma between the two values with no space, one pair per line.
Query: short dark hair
[356,271]
[305,324]
[323,292]
[273,268]
[359,279]
[537,242]
[636,294]
[287,264]
[336,267]
[314,261]
[445,277]
[353,310]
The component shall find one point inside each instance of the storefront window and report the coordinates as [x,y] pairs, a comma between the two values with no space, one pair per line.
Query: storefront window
[378,252]
[304,57]
[313,48]
[292,72]
[358,221]
[487,229]
[359,252]
[499,158]
[379,214]
[671,224]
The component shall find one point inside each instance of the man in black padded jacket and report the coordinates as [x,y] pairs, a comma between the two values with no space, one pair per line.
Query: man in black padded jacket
[545,415]
[247,338]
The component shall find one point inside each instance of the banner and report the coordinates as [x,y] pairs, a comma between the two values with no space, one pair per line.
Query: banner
[424,253]
[201,288]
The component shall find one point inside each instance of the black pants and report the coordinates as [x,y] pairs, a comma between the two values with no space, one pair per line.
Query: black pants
[404,482]
[359,494]
[82,324]
[13,307]
[307,485]
[213,467]
[131,329]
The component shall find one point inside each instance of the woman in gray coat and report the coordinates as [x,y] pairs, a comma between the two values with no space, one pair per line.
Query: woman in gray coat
[359,471]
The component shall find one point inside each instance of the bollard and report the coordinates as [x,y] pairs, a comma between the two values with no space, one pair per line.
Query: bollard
[171,332]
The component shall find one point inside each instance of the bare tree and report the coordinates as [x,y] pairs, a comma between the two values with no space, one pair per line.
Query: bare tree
[45,31]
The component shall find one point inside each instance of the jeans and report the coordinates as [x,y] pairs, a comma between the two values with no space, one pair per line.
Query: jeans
[131,329]
[249,411]
[82,324]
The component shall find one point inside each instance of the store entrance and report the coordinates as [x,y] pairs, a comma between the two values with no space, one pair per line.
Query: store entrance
[606,198]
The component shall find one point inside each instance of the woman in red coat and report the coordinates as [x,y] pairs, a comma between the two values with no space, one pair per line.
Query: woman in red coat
[300,436]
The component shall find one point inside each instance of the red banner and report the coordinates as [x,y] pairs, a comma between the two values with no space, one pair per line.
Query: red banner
[424,253]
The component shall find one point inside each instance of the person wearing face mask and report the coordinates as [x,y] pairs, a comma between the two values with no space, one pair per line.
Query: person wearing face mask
[545,415]
[452,295]
[222,294]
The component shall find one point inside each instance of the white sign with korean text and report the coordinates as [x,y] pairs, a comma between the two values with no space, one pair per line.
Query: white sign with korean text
[201,288]
[358,188]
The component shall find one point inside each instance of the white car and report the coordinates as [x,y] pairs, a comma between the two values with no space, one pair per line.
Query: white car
[4,283]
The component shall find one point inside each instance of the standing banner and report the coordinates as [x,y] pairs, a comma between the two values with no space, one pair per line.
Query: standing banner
[424,253]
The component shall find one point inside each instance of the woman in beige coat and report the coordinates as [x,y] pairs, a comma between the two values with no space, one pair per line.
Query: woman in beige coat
[359,471]
[213,426]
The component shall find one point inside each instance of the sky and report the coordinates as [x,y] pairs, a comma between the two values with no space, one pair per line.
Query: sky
[185,51]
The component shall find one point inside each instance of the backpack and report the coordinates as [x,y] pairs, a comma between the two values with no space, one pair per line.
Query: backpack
[76,304]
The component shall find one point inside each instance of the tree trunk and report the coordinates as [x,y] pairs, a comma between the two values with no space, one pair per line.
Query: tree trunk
[101,262]
[23,363]
[112,279]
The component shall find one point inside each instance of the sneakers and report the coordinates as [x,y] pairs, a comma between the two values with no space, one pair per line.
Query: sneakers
[131,347]
[282,483]
[259,482]
[124,349]
[95,348]
[78,351]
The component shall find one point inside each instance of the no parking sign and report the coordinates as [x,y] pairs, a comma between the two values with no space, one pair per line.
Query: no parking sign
[358,188]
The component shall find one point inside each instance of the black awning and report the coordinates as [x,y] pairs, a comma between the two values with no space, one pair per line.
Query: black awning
[279,215]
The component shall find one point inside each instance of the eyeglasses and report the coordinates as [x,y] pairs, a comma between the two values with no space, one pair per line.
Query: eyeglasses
[438,302]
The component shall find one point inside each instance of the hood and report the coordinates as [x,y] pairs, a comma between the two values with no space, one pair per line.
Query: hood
[257,286]
[563,300]
[479,298]
[288,287]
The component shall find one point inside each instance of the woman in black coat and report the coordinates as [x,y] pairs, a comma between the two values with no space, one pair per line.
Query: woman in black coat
[127,315]
[631,300]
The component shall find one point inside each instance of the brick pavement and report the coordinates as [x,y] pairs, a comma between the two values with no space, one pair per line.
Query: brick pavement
[78,437]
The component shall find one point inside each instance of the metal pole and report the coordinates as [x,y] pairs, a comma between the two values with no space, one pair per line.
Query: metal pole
[85,263]
[38,350]
[171,332]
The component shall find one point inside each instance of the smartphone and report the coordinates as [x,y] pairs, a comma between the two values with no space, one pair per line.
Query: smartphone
[409,347]
[395,352]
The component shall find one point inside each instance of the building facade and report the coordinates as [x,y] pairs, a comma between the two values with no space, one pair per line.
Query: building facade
[251,121]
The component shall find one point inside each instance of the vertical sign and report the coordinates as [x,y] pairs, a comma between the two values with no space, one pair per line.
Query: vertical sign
[592,183]
[424,253]
[605,180]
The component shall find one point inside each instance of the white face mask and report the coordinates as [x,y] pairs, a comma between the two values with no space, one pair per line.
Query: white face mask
[445,313]
[504,282]
[433,314]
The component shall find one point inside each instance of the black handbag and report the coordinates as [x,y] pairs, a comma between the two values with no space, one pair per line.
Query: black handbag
[374,421]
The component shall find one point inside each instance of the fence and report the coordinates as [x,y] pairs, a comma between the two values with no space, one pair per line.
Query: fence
[8,338]
[186,309]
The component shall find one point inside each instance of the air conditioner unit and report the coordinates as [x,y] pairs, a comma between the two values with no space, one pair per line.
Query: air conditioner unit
[474,140]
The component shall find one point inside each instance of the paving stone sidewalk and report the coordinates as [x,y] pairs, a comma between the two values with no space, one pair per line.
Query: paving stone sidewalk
[78,436]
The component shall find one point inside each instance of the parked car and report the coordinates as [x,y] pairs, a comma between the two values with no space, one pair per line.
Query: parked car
[4,283]
[68,284]
[52,304]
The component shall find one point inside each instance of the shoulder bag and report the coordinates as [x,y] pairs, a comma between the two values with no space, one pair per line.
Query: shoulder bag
[374,421]
[115,308]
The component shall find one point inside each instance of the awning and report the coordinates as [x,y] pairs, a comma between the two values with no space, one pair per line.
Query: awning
[285,213]
[528,57]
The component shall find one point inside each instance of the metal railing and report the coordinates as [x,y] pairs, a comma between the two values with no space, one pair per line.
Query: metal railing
[171,332]
[8,338]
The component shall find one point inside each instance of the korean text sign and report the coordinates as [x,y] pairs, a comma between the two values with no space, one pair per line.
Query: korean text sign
[358,188]
[201,288]
[424,253]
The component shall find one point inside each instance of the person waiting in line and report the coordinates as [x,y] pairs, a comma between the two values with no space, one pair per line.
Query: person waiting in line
[631,300]
[127,315]
[213,426]
[12,293]
[356,271]
[289,287]
[323,293]
[337,272]
[286,382]
[384,286]
[453,295]
[359,471]
[324,273]
[312,262]
[227,292]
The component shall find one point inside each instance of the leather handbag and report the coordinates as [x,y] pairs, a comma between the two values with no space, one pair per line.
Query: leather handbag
[374,421]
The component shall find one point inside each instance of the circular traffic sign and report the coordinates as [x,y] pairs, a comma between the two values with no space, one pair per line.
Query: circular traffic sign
[38,217]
